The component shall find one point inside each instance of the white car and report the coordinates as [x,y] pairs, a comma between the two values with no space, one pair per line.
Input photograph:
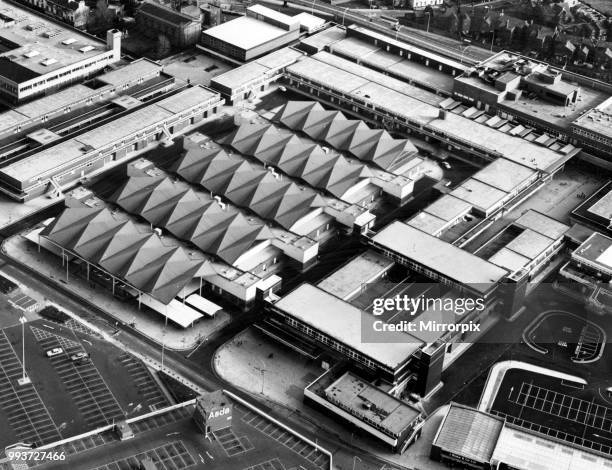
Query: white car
[54,352]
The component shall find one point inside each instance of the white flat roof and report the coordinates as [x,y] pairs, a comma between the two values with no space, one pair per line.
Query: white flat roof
[175,311]
[542,223]
[428,223]
[530,244]
[523,450]
[509,259]
[204,305]
[348,279]
[440,256]
[245,32]
[448,208]
[478,194]
[343,322]
[504,174]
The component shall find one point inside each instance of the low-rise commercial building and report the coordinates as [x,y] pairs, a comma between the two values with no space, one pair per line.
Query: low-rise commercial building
[261,31]
[337,326]
[60,166]
[43,111]
[596,211]
[358,403]
[256,77]
[565,106]
[39,55]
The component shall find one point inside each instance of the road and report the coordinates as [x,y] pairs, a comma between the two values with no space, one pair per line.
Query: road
[197,369]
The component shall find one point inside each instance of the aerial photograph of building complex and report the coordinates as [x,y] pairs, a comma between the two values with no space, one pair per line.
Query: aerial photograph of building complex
[305,234]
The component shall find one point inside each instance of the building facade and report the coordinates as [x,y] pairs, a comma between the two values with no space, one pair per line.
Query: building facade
[181,30]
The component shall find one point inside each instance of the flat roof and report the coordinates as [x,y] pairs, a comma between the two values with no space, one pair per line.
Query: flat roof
[256,69]
[530,244]
[603,207]
[76,93]
[597,249]
[348,279]
[598,120]
[408,47]
[448,207]
[324,38]
[358,395]
[344,322]
[380,78]
[272,14]
[542,223]
[478,194]
[39,39]
[469,433]
[422,107]
[438,255]
[309,21]
[428,223]
[132,71]
[245,32]
[63,153]
[509,260]
[504,174]
[176,311]
[521,449]
[513,148]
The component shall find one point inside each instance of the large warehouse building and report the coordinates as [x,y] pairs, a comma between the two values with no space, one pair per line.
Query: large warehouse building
[98,239]
[39,55]
[261,31]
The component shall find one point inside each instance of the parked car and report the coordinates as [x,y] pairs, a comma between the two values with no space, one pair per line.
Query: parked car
[79,356]
[54,352]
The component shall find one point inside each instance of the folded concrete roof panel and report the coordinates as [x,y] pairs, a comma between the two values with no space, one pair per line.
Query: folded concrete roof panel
[353,136]
[116,245]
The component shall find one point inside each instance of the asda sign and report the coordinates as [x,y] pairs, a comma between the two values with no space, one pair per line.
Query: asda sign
[218,413]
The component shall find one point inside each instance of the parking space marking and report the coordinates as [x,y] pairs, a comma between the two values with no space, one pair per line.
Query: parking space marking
[82,380]
[566,407]
[272,464]
[171,456]
[287,439]
[144,381]
[26,413]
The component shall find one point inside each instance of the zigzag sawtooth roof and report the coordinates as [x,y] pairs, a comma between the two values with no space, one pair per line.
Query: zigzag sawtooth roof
[349,135]
[296,158]
[190,215]
[246,185]
[115,244]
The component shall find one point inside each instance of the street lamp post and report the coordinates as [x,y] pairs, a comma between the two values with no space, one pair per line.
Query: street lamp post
[344,14]
[355,458]
[164,342]
[312,9]
[428,19]
[24,380]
